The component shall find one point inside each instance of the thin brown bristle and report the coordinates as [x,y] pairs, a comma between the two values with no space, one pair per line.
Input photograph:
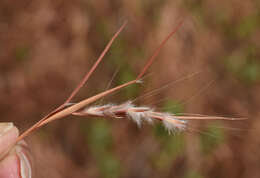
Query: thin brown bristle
[86,77]
[208,118]
[155,54]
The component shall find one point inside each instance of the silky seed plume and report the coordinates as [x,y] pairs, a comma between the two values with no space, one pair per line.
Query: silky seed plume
[136,114]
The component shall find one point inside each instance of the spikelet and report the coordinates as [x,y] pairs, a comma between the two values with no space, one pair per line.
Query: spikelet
[136,114]
[172,124]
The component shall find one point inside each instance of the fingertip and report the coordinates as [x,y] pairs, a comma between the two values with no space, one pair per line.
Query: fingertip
[8,135]
[9,166]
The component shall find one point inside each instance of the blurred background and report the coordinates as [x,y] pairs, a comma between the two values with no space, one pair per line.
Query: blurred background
[48,46]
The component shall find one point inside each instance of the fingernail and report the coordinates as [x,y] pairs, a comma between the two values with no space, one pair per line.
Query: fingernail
[5,127]
[25,166]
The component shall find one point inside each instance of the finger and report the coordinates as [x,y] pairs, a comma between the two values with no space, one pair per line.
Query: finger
[8,135]
[16,164]
[15,160]
[9,167]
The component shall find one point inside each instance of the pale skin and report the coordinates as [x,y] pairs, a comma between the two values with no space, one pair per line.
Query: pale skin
[15,159]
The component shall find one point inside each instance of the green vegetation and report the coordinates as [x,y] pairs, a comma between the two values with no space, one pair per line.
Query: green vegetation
[211,138]
[22,53]
[172,146]
[245,65]
[100,142]
[193,174]
[173,106]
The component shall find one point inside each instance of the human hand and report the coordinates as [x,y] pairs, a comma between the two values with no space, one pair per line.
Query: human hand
[14,158]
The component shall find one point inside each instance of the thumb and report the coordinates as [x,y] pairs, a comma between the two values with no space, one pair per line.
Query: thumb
[8,135]
[14,158]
